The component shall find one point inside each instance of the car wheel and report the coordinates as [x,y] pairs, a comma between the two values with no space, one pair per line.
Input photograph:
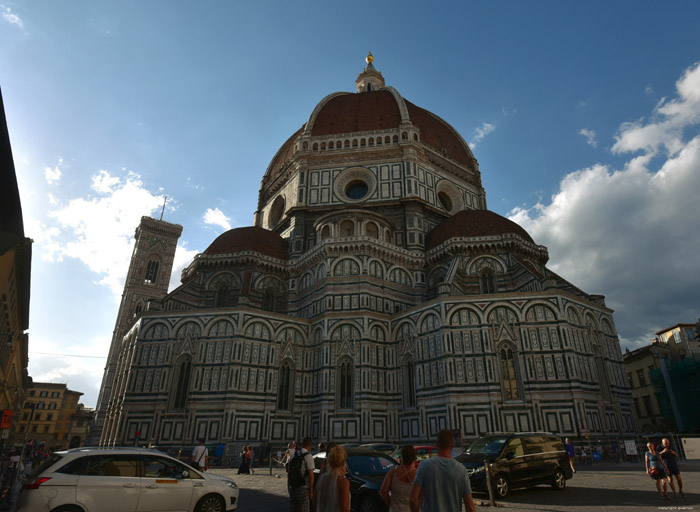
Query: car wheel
[368,504]
[211,503]
[558,480]
[501,486]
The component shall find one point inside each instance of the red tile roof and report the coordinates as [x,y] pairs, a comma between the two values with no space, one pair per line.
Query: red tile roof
[360,112]
[473,223]
[250,238]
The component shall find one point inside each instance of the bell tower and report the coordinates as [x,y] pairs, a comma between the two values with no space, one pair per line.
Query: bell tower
[148,278]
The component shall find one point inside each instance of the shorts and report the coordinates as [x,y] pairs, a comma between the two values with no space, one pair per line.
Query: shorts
[673,470]
[658,476]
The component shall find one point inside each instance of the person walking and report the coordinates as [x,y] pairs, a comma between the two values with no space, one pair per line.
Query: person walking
[397,485]
[657,470]
[300,478]
[199,456]
[443,482]
[288,456]
[571,452]
[670,458]
[333,488]
[244,468]
[250,456]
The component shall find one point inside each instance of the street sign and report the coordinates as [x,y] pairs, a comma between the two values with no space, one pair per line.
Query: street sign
[6,420]
[5,433]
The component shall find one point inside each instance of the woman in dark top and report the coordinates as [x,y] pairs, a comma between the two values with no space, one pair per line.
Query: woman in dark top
[656,469]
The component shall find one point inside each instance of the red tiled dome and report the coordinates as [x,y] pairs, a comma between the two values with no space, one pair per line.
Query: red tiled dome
[468,223]
[250,238]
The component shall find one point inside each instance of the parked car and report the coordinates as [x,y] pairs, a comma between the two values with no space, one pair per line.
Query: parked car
[366,471]
[385,448]
[422,453]
[123,480]
[517,460]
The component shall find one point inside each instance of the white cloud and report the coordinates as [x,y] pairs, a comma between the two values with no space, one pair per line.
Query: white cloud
[631,234]
[11,17]
[669,120]
[590,136]
[98,230]
[52,175]
[481,132]
[217,218]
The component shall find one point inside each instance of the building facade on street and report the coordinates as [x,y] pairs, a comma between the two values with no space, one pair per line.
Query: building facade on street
[374,298]
[15,273]
[48,413]
[665,380]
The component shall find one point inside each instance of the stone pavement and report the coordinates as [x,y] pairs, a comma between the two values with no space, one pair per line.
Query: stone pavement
[602,487]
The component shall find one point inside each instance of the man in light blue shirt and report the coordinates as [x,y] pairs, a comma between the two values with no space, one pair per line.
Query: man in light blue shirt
[443,481]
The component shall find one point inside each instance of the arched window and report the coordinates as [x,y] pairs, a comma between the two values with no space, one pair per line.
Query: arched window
[509,379]
[152,271]
[269,302]
[345,385]
[347,228]
[325,233]
[487,281]
[184,371]
[371,229]
[221,296]
[602,374]
[285,391]
[369,87]
[409,380]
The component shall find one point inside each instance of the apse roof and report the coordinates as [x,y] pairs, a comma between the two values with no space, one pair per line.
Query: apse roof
[250,238]
[474,223]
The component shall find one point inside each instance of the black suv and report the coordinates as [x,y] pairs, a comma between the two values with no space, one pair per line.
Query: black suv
[517,460]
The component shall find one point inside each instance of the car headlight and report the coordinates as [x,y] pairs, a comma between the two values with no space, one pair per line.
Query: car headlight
[230,483]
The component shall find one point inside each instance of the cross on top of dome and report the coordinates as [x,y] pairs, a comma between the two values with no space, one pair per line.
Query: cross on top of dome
[370,79]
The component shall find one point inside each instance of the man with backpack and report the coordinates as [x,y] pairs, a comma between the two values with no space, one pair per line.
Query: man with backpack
[300,478]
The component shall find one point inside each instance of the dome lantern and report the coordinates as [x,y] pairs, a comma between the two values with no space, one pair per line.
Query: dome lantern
[370,79]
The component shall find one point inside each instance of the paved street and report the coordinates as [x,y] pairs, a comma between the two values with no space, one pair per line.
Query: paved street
[602,487]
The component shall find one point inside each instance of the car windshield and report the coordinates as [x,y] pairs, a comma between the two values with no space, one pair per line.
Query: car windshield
[369,465]
[488,445]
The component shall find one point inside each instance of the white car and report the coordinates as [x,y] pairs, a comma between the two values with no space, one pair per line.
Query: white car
[123,480]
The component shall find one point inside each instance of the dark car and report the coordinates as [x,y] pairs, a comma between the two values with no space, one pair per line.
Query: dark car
[366,471]
[517,460]
[385,448]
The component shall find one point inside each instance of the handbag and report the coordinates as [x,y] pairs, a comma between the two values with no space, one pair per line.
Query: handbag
[653,471]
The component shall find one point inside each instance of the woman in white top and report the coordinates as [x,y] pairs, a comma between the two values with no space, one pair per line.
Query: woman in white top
[333,489]
[396,489]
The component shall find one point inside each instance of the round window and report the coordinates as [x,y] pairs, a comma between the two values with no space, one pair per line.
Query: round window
[356,189]
[445,201]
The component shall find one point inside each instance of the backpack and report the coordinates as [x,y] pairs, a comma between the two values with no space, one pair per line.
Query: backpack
[295,478]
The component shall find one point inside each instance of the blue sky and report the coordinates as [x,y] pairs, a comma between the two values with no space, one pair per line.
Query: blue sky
[583,116]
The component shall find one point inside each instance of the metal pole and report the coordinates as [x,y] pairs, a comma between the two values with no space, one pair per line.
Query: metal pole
[492,500]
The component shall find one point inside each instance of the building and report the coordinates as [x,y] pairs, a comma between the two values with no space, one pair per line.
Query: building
[48,413]
[80,422]
[665,380]
[640,365]
[15,272]
[374,298]
[681,340]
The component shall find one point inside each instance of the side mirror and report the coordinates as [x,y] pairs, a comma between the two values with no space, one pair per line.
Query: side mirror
[510,455]
[185,474]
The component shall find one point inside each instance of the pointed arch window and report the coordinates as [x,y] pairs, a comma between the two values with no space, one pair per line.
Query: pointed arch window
[285,391]
[409,379]
[345,385]
[152,271]
[487,281]
[269,302]
[221,296]
[509,379]
[184,371]
[602,374]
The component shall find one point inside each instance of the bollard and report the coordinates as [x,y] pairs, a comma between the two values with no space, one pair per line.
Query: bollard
[488,482]
[269,457]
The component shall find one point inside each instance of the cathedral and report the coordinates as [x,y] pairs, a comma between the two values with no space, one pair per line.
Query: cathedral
[375,298]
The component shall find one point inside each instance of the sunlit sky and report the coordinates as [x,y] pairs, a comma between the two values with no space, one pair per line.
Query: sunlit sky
[583,115]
